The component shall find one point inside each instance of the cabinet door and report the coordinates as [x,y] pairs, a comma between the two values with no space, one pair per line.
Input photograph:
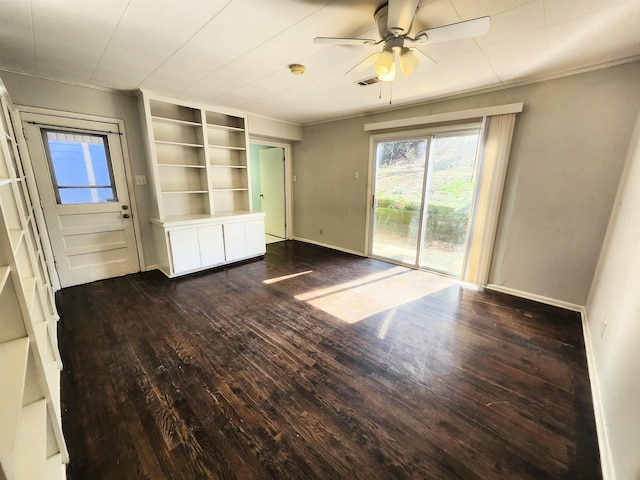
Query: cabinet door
[185,249]
[211,245]
[254,233]
[235,246]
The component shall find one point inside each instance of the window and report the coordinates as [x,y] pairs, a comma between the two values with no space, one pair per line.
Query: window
[80,167]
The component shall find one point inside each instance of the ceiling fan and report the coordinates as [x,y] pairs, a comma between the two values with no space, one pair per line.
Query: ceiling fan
[394,20]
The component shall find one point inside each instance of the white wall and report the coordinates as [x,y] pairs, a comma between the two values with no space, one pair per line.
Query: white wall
[38,92]
[568,151]
[614,300]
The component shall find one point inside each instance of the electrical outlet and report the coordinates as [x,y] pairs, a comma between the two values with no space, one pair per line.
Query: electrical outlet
[356,175]
[295,178]
[141,179]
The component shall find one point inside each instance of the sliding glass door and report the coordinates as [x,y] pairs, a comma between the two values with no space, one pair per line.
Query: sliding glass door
[423,195]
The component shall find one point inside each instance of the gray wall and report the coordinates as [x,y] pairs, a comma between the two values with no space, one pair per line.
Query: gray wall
[613,322]
[42,93]
[569,147]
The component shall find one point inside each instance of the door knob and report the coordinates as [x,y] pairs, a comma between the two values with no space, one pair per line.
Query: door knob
[125,207]
[125,215]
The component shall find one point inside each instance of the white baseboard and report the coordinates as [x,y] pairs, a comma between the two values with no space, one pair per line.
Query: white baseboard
[538,298]
[148,268]
[606,461]
[333,247]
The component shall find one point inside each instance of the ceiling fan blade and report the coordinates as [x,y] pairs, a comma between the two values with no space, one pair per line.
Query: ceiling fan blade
[455,31]
[400,15]
[367,62]
[345,41]
[425,60]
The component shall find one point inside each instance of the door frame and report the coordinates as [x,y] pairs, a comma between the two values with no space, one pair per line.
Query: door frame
[288,179]
[399,136]
[133,204]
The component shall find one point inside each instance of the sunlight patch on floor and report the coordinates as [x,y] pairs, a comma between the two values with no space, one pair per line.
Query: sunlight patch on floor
[359,299]
[285,277]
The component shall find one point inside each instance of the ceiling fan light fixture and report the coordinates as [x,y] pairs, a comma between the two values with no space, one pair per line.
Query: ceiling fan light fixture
[408,61]
[390,76]
[384,62]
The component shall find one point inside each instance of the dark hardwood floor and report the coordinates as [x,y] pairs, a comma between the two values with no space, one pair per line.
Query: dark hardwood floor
[315,364]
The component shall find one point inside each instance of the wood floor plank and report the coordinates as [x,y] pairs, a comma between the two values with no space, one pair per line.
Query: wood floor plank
[316,364]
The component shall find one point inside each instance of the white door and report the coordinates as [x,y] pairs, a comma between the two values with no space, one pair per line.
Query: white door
[79,170]
[272,194]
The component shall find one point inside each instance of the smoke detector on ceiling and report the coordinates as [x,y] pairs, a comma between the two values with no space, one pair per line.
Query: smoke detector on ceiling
[297,69]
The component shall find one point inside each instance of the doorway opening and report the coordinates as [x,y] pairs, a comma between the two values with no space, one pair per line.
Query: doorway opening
[424,187]
[268,167]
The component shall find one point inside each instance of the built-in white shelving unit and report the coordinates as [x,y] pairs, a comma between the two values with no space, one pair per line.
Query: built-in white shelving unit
[31,442]
[198,161]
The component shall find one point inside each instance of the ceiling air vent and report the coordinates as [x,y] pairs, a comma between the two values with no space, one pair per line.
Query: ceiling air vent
[367,81]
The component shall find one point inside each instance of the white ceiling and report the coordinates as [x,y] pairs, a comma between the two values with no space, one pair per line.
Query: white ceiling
[235,53]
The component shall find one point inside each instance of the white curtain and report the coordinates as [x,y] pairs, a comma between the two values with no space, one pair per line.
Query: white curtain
[494,157]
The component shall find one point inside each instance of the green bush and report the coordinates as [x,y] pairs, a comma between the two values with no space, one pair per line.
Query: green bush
[444,224]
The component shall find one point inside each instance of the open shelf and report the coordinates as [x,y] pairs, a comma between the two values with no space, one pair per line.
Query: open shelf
[174,121]
[30,451]
[226,147]
[228,166]
[13,358]
[170,111]
[12,326]
[225,127]
[229,178]
[179,179]
[180,144]
[181,166]
[186,203]
[28,349]
[224,120]
[174,154]
[225,200]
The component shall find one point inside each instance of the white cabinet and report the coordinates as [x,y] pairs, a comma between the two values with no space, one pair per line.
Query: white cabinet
[192,245]
[31,440]
[196,248]
[185,249]
[254,236]
[235,244]
[200,184]
[211,243]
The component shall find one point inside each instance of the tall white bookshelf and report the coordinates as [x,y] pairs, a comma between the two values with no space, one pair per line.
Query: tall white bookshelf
[197,158]
[31,440]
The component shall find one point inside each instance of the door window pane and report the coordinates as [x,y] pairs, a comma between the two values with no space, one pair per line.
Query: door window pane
[398,198]
[80,167]
[452,161]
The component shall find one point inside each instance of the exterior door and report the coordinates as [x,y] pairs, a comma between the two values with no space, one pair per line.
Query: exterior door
[79,170]
[272,193]
[423,190]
